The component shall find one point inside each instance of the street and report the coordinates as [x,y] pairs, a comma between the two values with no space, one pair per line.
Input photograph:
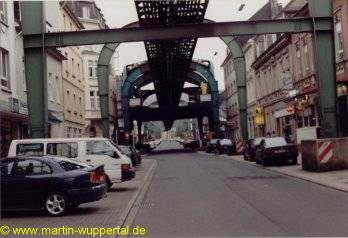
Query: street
[193,194]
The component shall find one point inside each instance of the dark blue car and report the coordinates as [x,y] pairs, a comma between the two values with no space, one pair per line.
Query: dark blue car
[51,183]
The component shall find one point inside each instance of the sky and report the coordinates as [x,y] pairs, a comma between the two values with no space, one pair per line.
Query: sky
[118,13]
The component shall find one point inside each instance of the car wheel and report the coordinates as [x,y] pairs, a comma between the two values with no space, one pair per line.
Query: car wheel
[294,161]
[56,204]
[74,205]
[108,182]
[265,162]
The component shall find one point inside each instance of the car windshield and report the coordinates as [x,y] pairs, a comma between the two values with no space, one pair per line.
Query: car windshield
[125,149]
[275,142]
[225,142]
[257,141]
[213,141]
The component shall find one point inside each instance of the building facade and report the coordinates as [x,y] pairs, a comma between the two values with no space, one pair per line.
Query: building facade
[13,98]
[232,130]
[92,19]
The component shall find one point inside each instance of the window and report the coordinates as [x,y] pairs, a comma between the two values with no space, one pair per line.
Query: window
[69,166]
[68,132]
[50,87]
[6,167]
[90,68]
[4,69]
[261,45]
[30,149]
[91,93]
[338,39]
[298,61]
[68,149]
[3,11]
[306,58]
[86,12]
[56,87]
[92,103]
[95,68]
[100,148]
[31,167]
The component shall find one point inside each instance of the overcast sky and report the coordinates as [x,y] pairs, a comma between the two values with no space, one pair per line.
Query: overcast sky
[121,12]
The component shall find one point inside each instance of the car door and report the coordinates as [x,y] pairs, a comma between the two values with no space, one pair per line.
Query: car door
[104,153]
[7,189]
[32,181]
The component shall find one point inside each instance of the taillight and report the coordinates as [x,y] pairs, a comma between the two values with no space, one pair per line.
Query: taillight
[125,167]
[94,177]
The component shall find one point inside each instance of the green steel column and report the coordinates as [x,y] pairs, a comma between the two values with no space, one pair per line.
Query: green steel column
[103,85]
[324,46]
[33,22]
[240,69]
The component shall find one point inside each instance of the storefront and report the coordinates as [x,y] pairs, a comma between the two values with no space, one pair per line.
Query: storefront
[13,121]
[286,123]
[307,117]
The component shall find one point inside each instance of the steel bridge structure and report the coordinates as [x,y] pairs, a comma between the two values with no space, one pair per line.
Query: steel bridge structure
[170,30]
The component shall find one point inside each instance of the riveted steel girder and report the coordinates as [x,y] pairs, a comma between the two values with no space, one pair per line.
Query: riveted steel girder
[325,60]
[198,72]
[200,30]
[33,20]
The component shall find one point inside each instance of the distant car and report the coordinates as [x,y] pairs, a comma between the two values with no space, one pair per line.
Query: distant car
[131,153]
[250,149]
[211,145]
[225,146]
[54,184]
[276,150]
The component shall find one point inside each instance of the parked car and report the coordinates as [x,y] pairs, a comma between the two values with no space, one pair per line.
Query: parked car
[93,151]
[225,146]
[250,149]
[51,183]
[211,145]
[276,150]
[131,153]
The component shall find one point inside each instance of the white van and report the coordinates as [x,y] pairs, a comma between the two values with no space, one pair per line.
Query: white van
[94,151]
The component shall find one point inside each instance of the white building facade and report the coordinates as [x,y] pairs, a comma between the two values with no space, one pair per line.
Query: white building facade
[13,102]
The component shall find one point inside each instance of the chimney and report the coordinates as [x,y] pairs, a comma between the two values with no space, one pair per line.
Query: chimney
[276,8]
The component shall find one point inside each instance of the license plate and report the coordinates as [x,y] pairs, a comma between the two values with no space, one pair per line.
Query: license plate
[280,151]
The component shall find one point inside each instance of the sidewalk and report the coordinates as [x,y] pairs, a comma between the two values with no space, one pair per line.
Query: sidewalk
[332,179]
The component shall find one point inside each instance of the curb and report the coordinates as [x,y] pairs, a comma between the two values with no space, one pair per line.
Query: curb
[136,197]
[294,176]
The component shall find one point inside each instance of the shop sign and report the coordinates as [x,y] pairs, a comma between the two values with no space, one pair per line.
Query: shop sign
[205,98]
[18,106]
[259,117]
[134,102]
[284,112]
[259,120]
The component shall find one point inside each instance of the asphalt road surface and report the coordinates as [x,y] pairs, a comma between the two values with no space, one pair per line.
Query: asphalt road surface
[194,194]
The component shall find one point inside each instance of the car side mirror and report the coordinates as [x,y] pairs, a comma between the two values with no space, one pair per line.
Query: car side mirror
[116,155]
